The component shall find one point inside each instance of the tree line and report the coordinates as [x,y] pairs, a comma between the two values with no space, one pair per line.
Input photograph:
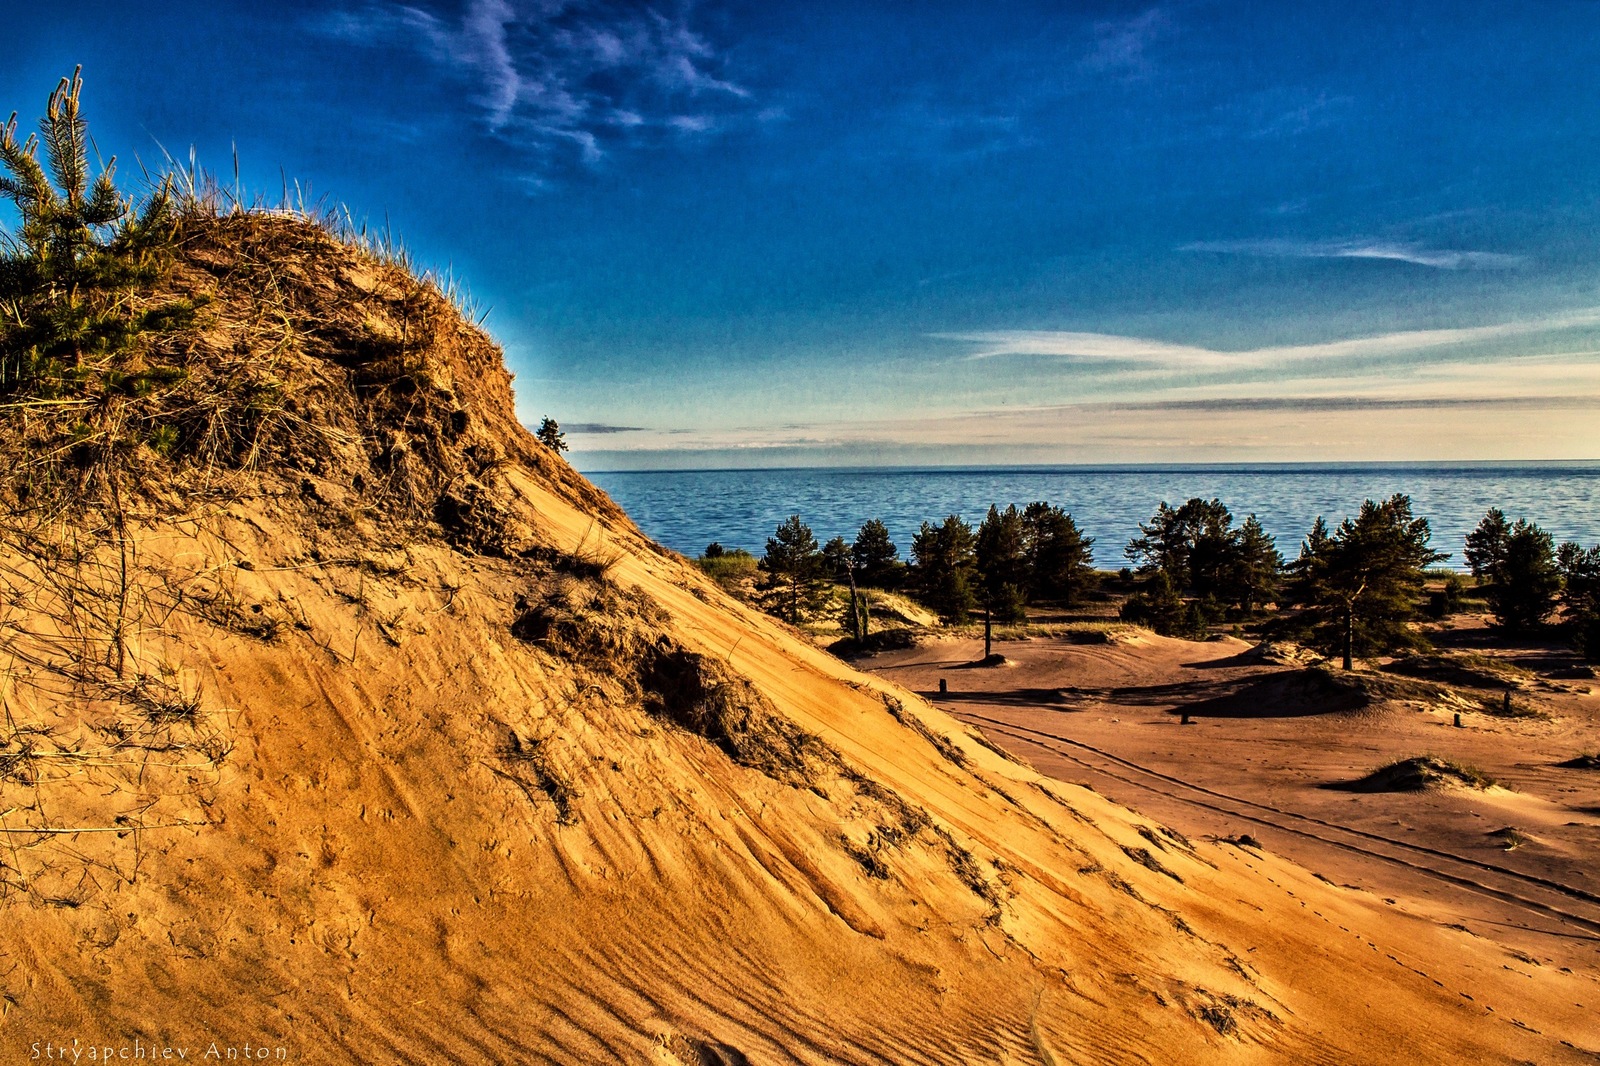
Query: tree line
[1012,559]
[1529,578]
[1352,590]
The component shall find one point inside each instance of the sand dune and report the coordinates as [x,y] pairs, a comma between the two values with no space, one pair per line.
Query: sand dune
[472,772]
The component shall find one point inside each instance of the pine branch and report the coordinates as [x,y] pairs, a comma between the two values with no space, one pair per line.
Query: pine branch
[105,206]
[33,195]
[66,138]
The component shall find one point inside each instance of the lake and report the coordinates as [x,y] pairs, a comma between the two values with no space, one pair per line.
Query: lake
[688,509]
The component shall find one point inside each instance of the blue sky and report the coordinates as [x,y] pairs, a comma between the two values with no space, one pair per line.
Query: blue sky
[784,234]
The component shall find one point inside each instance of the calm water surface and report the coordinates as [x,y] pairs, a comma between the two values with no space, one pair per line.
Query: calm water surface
[688,509]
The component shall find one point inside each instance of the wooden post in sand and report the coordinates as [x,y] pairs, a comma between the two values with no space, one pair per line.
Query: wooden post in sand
[988,631]
[1349,634]
[858,608]
[944,686]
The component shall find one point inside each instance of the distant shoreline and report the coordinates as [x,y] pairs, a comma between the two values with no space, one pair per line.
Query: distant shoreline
[739,507]
[1331,467]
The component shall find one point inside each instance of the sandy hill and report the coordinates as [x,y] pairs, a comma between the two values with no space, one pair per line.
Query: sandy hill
[355,723]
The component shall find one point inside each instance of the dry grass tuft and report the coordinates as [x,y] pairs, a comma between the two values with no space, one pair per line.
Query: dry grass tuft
[965,866]
[946,747]
[619,635]
[871,862]
[311,361]
[1144,858]
[534,756]
[162,702]
[705,697]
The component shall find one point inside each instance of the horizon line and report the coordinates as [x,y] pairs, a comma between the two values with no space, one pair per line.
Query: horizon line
[1267,467]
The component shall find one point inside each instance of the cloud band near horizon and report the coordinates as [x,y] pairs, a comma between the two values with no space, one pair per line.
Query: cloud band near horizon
[1394,251]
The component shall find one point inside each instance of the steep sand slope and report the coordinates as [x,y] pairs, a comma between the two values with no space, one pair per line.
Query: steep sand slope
[474,773]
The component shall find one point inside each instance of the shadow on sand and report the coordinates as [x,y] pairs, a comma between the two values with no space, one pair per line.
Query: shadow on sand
[1248,657]
[1054,698]
[1292,694]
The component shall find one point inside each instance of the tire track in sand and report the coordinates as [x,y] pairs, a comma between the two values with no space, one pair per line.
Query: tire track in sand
[1483,878]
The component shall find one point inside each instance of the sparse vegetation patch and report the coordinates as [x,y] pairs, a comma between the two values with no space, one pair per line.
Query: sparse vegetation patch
[1419,773]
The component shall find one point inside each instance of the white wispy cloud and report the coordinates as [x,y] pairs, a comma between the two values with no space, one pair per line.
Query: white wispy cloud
[1404,252]
[1127,349]
[1153,356]
[1122,45]
[1088,347]
[580,73]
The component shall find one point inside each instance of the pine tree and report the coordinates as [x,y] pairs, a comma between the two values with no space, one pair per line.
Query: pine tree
[1528,579]
[836,560]
[793,560]
[1060,558]
[1257,568]
[550,435]
[1002,564]
[1214,556]
[68,319]
[1518,561]
[1580,596]
[1486,545]
[1224,569]
[1360,585]
[1160,607]
[943,567]
[1181,541]
[876,560]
